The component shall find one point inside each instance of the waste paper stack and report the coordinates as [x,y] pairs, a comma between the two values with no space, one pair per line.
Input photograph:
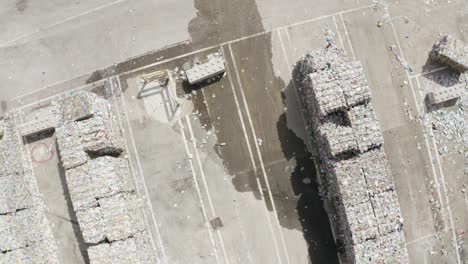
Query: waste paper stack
[102,191]
[355,173]
[451,52]
[25,234]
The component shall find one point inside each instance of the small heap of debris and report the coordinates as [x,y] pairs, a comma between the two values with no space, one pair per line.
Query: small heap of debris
[25,232]
[102,191]
[448,127]
[358,184]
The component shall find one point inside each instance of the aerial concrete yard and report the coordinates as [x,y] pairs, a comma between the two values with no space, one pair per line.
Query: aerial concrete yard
[224,170]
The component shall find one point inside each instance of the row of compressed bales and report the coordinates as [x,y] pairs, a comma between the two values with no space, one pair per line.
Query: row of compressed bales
[25,233]
[348,143]
[102,191]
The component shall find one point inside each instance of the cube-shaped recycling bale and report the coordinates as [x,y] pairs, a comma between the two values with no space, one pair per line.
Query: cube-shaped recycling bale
[353,82]
[80,187]
[377,171]
[23,228]
[347,181]
[335,139]
[451,52]
[122,216]
[358,223]
[101,135]
[368,252]
[393,247]
[14,194]
[131,250]
[72,153]
[109,176]
[366,127]
[387,212]
[77,106]
[91,224]
[325,92]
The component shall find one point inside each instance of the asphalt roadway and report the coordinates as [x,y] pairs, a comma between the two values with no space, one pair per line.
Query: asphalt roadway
[239,152]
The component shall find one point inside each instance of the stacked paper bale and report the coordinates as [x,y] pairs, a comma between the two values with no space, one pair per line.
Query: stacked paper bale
[90,129]
[336,101]
[78,106]
[72,153]
[109,213]
[377,171]
[32,254]
[365,126]
[451,52]
[14,194]
[25,235]
[132,250]
[335,139]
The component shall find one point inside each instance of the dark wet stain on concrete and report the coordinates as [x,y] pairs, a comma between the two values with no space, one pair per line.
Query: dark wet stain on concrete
[21,5]
[292,177]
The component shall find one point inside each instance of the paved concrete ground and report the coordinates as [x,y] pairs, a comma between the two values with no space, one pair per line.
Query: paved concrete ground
[240,153]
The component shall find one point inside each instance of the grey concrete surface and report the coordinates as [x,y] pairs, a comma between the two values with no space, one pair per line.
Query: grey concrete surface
[240,153]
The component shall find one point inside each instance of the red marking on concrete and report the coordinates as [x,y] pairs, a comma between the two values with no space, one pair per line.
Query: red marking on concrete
[35,147]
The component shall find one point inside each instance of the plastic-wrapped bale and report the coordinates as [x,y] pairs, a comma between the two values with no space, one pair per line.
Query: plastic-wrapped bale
[33,254]
[77,106]
[377,171]
[109,176]
[14,194]
[122,216]
[354,83]
[357,223]
[335,139]
[347,182]
[91,224]
[366,127]
[23,228]
[387,212]
[325,92]
[80,187]
[451,52]
[393,248]
[72,153]
[132,250]
[366,253]
[101,135]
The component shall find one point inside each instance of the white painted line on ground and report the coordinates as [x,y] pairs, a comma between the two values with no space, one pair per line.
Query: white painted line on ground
[251,36]
[200,198]
[51,97]
[259,155]
[249,148]
[130,130]
[319,181]
[428,72]
[132,166]
[205,184]
[337,31]
[425,237]
[61,22]
[205,102]
[442,178]
[347,36]
[415,100]
[206,49]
